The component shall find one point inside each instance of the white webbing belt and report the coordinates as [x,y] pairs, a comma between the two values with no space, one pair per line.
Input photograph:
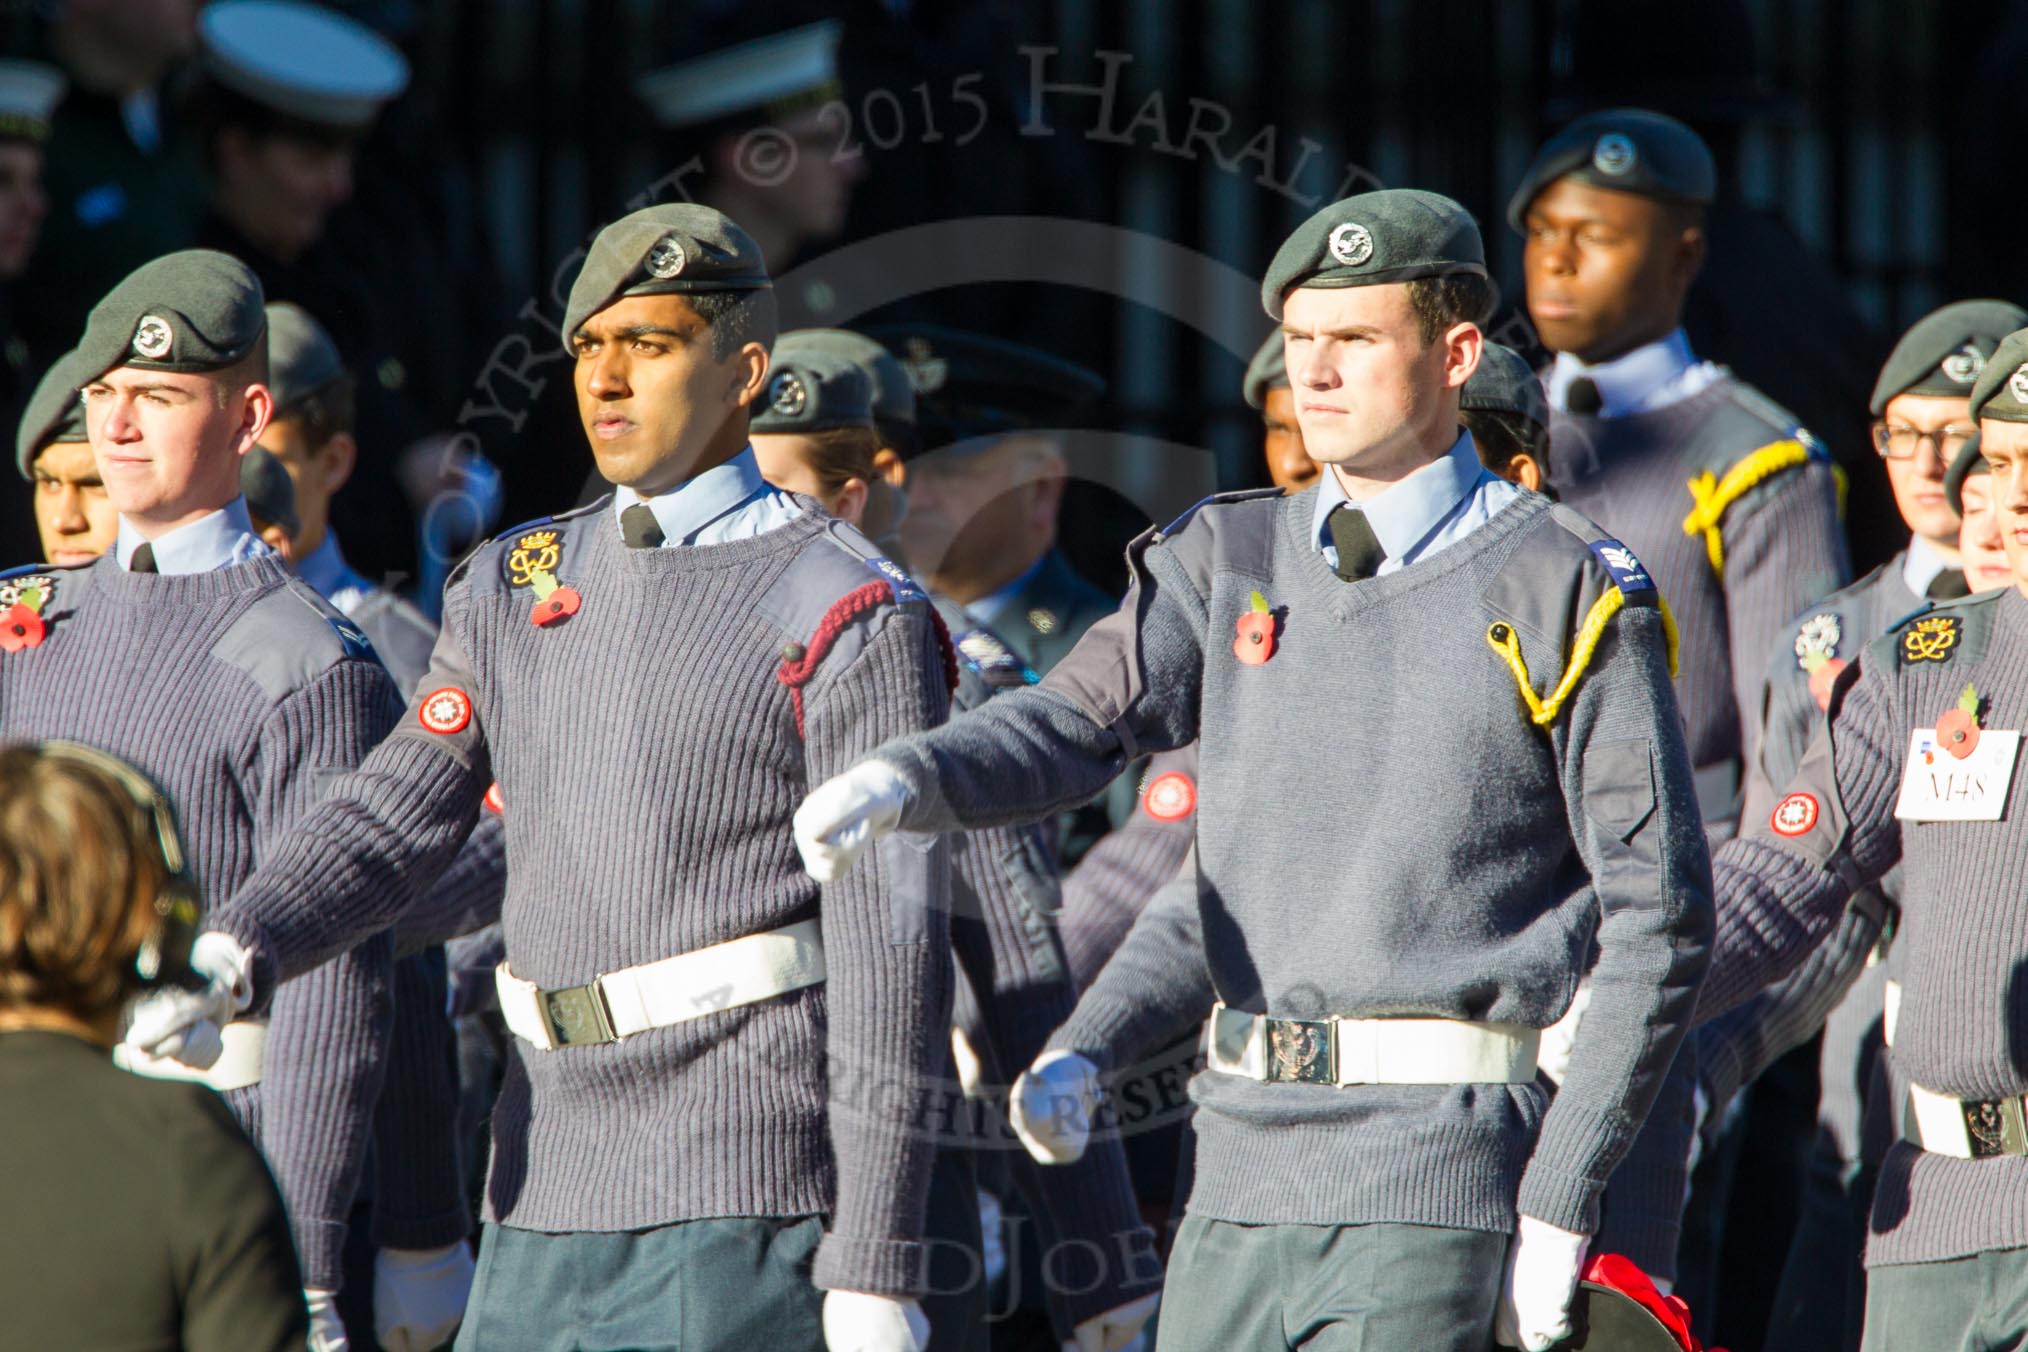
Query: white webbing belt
[1890,1010]
[237,1067]
[657,994]
[1370,1051]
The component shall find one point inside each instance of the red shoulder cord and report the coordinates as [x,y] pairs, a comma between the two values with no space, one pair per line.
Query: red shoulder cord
[795,673]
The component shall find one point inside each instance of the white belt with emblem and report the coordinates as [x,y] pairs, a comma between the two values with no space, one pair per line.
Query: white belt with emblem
[1370,1051]
[690,985]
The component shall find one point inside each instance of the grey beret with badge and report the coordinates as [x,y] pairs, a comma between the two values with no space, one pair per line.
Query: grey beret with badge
[1267,371]
[1944,352]
[302,359]
[1394,235]
[1628,150]
[54,413]
[1971,460]
[196,310]
[269,491]
[2001,391]
[306,61]
[893,395]
[812,393]
[1505,383]
[677,248]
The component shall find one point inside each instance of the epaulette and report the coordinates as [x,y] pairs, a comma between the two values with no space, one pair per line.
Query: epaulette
[1240,495]
[847,538]
[1724,481]
[289,637]
[1519,601]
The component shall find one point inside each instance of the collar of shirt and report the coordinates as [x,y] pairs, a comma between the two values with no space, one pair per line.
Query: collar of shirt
[328,574]
[1921,564]
[1437,505]
[988,607]
[217,540]
[689,512]
[1652,376]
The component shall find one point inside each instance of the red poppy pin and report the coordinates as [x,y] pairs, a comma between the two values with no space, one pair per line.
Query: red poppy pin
[1957,732]
[553,602]
[21,623]
[532,563]
[1254,643]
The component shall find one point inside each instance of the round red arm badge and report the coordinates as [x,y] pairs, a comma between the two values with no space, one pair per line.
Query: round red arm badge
[445,711]
[1794,815]
[1170,797]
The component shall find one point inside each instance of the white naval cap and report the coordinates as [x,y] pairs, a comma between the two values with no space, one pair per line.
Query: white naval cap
[781,74]
[300,59]
[29,92]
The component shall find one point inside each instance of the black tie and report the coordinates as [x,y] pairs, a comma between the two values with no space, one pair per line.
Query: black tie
[143,560]
[1359,552]
[1948,585]
[1582,397]
[640,529]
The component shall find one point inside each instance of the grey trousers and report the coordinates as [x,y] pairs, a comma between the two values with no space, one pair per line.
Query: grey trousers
[1975,1304]
[697,1286]
[1330,1288]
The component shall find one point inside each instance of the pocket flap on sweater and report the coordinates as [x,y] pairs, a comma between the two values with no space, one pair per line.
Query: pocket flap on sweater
[1619,785]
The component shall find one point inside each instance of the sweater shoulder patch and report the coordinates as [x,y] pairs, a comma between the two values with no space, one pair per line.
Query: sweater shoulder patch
[833,565]
[288,638]
[1216,500]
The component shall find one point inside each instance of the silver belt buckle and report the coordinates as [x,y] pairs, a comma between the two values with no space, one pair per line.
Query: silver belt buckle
[1302,1051]
[576,1016]
[1995,1127]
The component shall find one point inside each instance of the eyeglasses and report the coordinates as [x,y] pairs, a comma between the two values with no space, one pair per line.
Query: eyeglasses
[1897,442]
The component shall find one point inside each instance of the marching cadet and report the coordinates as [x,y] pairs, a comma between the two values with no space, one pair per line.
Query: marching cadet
[1980,547]
[1716,488]
[816,434]
[74,519]
[187,651]
[1373,1152]
[1915,766]
[710,1119]
[270,501]
[1504,409]
[1265,387]
[419,1214]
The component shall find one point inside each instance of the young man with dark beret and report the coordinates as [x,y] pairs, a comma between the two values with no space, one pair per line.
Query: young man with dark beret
[709,1128]
[1916,766]
[187,650]
[1376,1166]
[74,519]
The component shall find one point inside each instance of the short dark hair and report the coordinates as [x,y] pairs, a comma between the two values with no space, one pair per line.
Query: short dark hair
[737,318]
[843,454]
[1500,436]
[324,412]
[1455,298]
[211,108]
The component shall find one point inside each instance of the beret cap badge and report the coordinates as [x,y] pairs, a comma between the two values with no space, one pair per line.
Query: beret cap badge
[153,336]
[1964,365]
[2018,383]
[1351,244]
[1614,154]
[786,395]
[666,259]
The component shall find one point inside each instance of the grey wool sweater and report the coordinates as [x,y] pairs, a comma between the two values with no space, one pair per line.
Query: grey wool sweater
[1452,859]
[649,757]
[1780,542]
[1965,941]
[243,695]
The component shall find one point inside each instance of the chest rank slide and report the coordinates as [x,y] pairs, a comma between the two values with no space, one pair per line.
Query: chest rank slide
[532,563]
[1933,638]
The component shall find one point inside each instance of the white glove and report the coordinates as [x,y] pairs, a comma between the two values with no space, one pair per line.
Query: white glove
[1553,1054]
[1052,1106]
[857,1322]
[1542,1267]
[419,1296]
[845,814]
[327,1330]
[184,1024]
[1114,1330]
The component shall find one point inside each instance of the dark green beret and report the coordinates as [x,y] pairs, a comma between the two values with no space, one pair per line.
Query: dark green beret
[1970,461]
[1395,235]
[1627,149]
[1267,371]
[1945,350]
[192,311]
[1505,384]
[813,394]
[302,359]
[678,247]
[969,385]
[55,413]
[893,396]
[269,491]
[2001,391]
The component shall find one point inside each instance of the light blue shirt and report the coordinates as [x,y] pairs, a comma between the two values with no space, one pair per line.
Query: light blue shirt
[217,540]
[1921,564]
[1652,376]
[725,503]
[987,608]
[331,577]
[1438,505]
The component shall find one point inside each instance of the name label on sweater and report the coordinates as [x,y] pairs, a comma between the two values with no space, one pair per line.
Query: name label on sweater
[1938,786]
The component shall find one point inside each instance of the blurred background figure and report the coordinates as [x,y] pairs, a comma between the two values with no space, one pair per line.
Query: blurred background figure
[147,1221]
[74,519]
